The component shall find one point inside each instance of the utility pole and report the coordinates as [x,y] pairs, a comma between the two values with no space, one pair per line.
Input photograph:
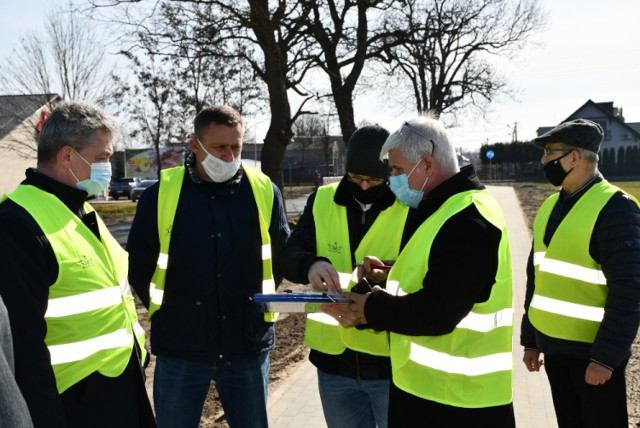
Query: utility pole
[514,133]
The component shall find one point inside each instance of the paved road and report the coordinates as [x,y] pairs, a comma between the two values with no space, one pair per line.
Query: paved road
[120,231]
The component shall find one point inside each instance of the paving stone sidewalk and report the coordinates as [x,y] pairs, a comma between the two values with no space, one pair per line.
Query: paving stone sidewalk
[296,403]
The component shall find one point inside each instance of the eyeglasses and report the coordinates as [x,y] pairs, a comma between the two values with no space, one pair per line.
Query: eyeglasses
[548,152]
[413,129]
[373,182]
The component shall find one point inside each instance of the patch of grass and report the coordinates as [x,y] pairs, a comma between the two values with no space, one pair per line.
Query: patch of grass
[296,191]
[115,212]
[631,187]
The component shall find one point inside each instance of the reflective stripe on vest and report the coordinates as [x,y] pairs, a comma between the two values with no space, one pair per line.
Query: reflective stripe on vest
[472,366]
[91,316]
[570,287]
[61,354]
[84,302]
[323,332]
[168,195]
[568,270]
[483,365]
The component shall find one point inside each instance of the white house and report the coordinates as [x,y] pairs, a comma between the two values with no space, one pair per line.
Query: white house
[21,118]
[617,133]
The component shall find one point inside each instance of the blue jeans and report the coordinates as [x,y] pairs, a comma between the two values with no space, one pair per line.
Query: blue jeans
[180,388]
[353,403]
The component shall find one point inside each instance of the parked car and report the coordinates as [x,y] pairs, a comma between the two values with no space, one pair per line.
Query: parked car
[141,187]
[122,187]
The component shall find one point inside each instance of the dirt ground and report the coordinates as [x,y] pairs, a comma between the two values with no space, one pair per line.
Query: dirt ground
[290,351]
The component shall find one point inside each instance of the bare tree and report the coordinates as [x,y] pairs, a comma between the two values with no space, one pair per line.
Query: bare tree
[151,102]
[344,40]
[441,46]
[217,28]
[66,60]
[63,62]
[310,126]
[446,45]
[207,68]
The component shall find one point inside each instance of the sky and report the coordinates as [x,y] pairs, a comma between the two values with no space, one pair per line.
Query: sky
[590,50]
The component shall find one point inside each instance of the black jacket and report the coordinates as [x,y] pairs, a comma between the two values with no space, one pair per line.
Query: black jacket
[29,267]
[615,245]
[215,267]
[462,267]
[300,254]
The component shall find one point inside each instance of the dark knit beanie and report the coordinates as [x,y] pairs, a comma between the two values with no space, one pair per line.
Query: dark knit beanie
[363,152]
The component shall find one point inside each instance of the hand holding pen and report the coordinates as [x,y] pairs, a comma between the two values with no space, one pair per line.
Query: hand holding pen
[373,268]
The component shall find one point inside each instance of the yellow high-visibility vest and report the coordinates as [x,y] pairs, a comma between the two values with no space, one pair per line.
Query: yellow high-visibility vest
[471,367]
[91,316]
[168,195]
[570,288]
[323,333]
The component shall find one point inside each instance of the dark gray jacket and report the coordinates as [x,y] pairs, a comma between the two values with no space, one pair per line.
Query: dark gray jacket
[13,409]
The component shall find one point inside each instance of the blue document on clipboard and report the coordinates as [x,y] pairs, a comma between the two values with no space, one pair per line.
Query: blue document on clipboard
[297,301]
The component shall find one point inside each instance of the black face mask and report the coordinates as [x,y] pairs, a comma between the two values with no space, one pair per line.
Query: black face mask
[554,172]
[368,196]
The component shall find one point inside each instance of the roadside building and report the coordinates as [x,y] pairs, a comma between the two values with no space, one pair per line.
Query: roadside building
[21,118]
[620,150]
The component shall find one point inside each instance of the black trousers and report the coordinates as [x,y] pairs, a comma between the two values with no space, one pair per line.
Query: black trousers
[407,410]
[99,401]
[579,404]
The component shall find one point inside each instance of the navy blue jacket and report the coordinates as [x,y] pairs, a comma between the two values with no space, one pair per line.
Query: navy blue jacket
[215,267]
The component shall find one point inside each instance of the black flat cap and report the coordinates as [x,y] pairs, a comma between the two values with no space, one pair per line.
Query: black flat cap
[580,133]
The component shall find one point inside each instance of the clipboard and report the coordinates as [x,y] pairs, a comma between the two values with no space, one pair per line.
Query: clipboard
[301,302]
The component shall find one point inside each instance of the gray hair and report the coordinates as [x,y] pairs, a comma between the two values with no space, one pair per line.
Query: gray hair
[73,124]
[589,156]
[422,136]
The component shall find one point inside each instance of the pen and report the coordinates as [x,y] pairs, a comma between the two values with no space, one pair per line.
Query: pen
[383,267]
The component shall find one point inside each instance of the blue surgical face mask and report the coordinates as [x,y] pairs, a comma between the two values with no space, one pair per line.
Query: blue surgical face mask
[400,187]
[98,180]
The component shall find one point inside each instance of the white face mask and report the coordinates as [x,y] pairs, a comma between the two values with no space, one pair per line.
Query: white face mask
[98,180]
[218,170]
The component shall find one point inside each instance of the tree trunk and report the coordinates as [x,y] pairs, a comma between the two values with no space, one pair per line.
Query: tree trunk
[279,133]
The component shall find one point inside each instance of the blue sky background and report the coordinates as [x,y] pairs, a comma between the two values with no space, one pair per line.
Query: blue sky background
[590,50]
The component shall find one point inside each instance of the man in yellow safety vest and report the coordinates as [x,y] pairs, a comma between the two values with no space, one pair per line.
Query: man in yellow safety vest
[583,290]
[342,223]
[204,240]
[78,345]
[447,303]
